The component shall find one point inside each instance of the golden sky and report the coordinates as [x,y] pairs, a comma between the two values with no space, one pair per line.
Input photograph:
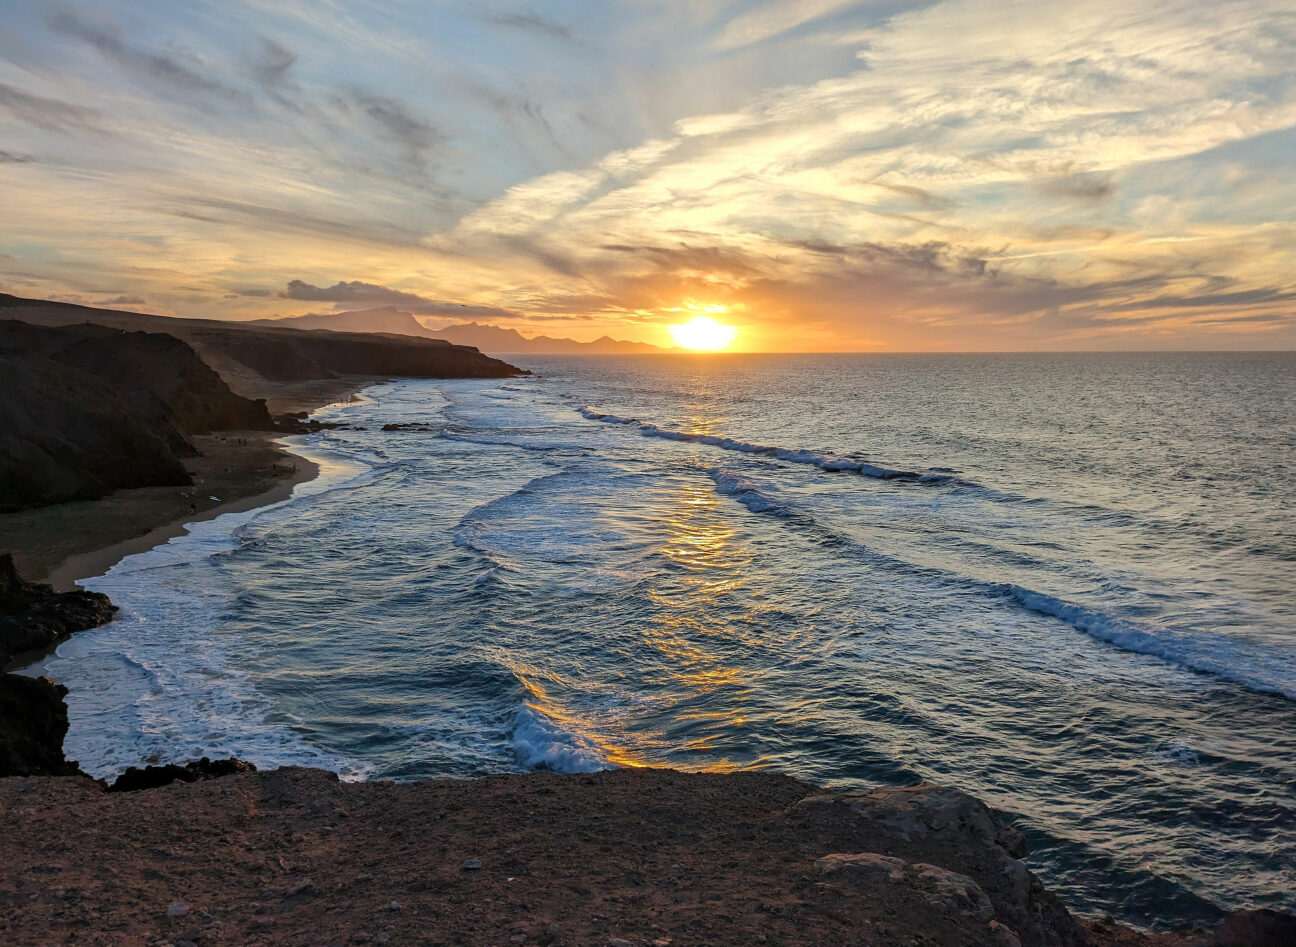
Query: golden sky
[823,175]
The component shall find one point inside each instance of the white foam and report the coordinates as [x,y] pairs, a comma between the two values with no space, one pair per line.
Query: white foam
[748,494]
[820,459]
[1248,663]
[540,743]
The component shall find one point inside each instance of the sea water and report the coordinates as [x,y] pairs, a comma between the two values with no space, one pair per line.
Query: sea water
[1063,583]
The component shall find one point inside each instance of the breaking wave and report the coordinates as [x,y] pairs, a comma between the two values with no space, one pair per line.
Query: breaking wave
[1253,665]
[824,461]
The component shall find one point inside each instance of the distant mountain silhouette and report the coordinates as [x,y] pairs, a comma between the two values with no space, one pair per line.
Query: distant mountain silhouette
[387,319]
[487,338]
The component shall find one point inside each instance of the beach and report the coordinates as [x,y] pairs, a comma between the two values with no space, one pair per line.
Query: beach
[234,471]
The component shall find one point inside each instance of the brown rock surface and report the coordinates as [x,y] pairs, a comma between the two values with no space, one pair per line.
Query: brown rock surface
[640,856]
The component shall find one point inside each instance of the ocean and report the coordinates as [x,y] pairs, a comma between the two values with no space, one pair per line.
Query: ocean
[1063,583]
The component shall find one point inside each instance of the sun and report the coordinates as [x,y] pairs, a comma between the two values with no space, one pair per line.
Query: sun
[703,334]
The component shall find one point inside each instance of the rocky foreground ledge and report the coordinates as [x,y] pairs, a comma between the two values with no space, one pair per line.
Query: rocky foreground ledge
[626,857]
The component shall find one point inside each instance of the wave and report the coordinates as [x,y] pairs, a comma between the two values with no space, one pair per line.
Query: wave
[540,743]
[1253,665]
[749,494]
[824,461]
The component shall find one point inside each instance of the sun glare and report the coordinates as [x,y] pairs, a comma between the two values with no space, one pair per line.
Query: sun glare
[703,334]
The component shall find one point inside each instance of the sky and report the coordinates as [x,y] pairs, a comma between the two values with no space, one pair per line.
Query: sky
[824,175]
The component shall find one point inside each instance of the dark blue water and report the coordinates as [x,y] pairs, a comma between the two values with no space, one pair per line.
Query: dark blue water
[1063,583]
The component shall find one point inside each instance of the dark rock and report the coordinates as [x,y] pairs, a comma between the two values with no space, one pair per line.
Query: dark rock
[87,409]
[408,426]
[33,722]
[946,828]
[1263,928]
[33,616]
[150,777]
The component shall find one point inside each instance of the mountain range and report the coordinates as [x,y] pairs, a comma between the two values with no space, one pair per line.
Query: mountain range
[486,338]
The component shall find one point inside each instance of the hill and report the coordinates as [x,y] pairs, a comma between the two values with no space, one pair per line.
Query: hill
[482,336]
[387,319]
[86,409]
[257,360]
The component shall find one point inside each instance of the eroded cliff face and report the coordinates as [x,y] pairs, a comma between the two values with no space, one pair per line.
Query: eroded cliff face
[87,409]
[33,723]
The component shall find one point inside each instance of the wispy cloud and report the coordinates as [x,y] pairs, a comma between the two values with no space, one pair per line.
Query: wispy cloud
[168,71]
[348,295]
[47,113]
[937,173]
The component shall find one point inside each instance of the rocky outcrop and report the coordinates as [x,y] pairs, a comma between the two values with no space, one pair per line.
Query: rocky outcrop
[933,825]
[33,616]
[151,777]
[1263,928]
[86,409]
[33,722]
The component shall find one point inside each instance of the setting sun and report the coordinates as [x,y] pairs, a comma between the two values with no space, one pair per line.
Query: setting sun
[703,334]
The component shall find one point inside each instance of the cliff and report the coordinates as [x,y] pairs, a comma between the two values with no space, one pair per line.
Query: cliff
[87,409]
[253,357]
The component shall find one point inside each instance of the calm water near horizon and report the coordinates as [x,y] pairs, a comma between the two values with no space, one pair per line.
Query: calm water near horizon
[1063,583]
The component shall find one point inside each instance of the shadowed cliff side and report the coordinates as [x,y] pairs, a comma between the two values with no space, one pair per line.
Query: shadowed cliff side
[87,409]
[256,360]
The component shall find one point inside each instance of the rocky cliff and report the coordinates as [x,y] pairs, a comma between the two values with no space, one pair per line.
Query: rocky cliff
[246,353]
[87,409]
[33,616]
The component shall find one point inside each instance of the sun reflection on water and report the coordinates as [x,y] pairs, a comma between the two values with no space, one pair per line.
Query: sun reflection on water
[693,629]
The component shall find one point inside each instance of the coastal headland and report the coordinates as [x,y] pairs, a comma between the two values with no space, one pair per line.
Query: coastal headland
[217,853]
[120,427]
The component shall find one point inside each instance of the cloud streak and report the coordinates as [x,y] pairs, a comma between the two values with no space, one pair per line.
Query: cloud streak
[349,295]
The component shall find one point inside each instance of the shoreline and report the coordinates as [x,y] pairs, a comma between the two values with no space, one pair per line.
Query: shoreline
[96,562]
[67,575]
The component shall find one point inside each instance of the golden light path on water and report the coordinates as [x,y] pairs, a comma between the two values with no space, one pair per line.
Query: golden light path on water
[692,632]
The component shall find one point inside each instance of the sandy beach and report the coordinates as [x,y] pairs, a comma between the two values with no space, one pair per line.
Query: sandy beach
[234,471]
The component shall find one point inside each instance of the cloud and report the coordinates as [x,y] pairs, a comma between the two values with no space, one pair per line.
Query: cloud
[532,23]
[123,301]
[1084,187]
[166,73]
[391,119]
[774,18]
[15,157]
[270,63]
[47,113]
[357,293]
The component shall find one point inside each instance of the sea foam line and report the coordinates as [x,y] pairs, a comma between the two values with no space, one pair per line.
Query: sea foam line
[1253,665]
[820,459]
